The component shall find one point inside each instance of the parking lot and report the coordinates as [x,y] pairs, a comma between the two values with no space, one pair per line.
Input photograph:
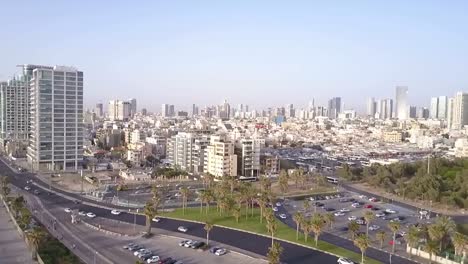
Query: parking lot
[351,206]
[168,247]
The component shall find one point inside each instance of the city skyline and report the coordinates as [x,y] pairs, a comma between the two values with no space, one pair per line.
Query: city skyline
[169,54]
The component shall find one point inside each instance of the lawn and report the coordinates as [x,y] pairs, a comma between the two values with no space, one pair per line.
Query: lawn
[253,224]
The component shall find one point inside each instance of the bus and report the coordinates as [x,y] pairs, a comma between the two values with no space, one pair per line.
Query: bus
[332,180]
[248,179]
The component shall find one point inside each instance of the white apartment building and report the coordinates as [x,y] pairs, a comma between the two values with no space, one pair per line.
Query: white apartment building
[187,151]
[249,157]
[56,118]
[137,136]
[220,159]
[119,110]
[401,102]
[459,111]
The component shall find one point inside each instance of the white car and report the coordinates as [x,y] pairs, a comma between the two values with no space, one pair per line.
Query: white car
[282,216]
[177,194]
[115,212]
[390,211]
[345,261]
[183,242]
[182,229]
[278,204]
[153,259]
[339,213]
[156,219]
[220,252]
[90,215]
[82,213]
[374,227]
[139,251]
[68,210]
[380,214]
[356,205]
[311,198]
[362,196]
[352,218]
[345,210]
[27,188]
[275,209]
[189,243]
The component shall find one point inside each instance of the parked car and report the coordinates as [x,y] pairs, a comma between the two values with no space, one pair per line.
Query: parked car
[135,247]
[182,229]
[329,209]
[278,204]
[128,245]
[197,245]
[214,249]
[153,259]
[27,188]
[82,213]
[356,205]
[390,211]
[156,219]
[183,242]
[345,210]
[220,252]
[164,261]
[339,213]
[68,210]
[380,214]
[275,209]
[141,250]
[37,192]
[368,206]
[360,222]
[352,218]
[374,227]
[282,216]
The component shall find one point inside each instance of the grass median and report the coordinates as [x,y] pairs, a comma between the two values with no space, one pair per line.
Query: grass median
[252,224]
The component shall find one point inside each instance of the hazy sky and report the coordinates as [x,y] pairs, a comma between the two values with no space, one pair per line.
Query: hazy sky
[259,53]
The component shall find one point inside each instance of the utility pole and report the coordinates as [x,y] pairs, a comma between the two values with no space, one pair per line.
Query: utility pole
[81,173]
[429,164]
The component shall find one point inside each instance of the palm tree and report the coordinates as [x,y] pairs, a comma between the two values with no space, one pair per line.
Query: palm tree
[274,253]
[208,226]
[329,219]
[449,227]
[353,227]
[298,218]
[306,228]
[368,216]
[184,191]
[394,227]
[432,249]
[35,237]
[271,227]
[4,180]
[436,233]
[317,224]
[207,198]
[236,212]
[265,183]
[459,242]
[25,217]
[283,181]
[362,242]
[413,238]
[150,212]
[262,202]
[381,237]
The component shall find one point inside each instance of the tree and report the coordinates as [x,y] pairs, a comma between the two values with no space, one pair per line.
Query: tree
[329,219]
[432,249]
[274,253]
[298,218]
[436,233]
[265,183]
[184,191]
[236,212]
[368,216]
[271,227]
[208,226]
[283,181]
[317,223]
[306,205]
[17,204]
[381,237]
[362,242]
[459,242]
[306,228]
[150,212]
[448,226]
[353,228]
[35,237]
[412,238]
[4,180]
[394,227]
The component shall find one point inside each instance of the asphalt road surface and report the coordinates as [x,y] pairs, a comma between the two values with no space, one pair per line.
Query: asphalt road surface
[292,254]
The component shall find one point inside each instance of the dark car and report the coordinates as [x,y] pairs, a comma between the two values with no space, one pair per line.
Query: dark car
[329,209]
[198,245]
[165,261]
[76,202]
[344,228]
[319,204]
[375,208]
[135,247]
[146,256]
[37,192]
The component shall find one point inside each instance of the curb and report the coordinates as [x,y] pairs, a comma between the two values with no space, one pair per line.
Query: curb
[104,230]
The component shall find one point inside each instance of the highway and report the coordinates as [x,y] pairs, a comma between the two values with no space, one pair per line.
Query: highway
[292,254]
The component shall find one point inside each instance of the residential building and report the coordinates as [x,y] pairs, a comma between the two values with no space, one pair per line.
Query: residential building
[249,158]
[186,151]
[460,111]
[271,165]
[434,107]
[137,136]
[392,136]
[385,109]
[371,107]
[401,102]
[220,159]
[442,107]
[56,116]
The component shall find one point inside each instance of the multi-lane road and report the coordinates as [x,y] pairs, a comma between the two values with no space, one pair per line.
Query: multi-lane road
[250,242]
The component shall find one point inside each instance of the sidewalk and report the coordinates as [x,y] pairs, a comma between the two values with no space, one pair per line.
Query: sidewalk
[13,249]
